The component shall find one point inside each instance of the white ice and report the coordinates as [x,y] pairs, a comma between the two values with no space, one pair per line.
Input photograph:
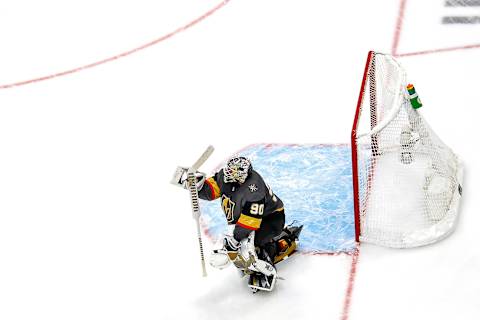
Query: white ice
[90,227]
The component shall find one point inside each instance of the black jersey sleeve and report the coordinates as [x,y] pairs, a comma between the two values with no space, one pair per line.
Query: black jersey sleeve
[210,189]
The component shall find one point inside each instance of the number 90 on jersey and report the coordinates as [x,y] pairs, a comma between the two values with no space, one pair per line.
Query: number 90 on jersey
[257,209]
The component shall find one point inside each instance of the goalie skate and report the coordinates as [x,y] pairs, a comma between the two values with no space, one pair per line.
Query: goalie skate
[286,245]
[260,282]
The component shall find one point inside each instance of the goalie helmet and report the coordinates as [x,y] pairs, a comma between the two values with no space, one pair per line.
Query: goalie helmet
[237,170]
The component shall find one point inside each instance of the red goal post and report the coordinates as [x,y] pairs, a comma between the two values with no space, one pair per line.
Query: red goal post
[406,181]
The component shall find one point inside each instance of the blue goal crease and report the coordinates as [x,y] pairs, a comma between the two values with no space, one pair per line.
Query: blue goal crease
[315,184]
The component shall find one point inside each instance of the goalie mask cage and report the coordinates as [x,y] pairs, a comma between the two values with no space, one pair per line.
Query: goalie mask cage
[406,181]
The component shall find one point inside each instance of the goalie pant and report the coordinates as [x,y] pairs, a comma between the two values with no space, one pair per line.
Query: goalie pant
[250,206]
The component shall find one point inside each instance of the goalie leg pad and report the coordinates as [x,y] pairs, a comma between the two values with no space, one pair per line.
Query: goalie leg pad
[262,272]
[248,259]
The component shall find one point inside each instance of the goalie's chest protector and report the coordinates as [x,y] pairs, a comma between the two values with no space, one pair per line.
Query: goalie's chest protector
[235,197]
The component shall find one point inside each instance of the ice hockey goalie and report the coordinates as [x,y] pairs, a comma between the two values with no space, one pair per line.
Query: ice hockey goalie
[259,238]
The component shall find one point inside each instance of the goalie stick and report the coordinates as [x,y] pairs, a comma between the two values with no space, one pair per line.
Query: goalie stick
[192,187]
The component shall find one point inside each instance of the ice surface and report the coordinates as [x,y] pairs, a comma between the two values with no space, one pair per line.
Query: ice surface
[90,227]
[315,184]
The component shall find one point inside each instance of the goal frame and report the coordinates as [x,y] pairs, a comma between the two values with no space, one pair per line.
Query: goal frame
[356,188]
[452,167]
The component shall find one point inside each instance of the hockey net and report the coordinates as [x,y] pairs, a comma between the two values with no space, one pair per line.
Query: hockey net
[407,182]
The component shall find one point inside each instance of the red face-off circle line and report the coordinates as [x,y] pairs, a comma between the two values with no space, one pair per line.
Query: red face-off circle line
[121,55]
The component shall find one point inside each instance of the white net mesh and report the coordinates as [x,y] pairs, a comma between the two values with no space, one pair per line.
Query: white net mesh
[408,179]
